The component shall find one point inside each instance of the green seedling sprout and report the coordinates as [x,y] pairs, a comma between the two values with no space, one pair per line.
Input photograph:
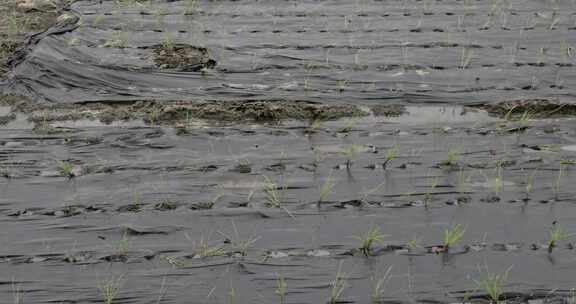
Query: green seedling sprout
[366,193]
[557,234]
[205,250]
[110,288]
[17,293]
[558,182]
[452,157]
[338,285]
[529,183]
[350,124]
[493,284]
[498,181]
[272,193]
[281,288]
[232,295]
[379,285]
[341,85]
[273,196]
[391,155]
[168,42]
[66,169]
[123,246]
[239,245]
[325,190]
[432,184]
[463,181]
[465,58]
[452,236]
[191,7]
[414,243]
[350,153]
[373,235]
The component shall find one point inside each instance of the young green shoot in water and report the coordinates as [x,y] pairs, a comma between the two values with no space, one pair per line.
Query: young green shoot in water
[452,236]
[338,285]
[391,155]
[325,190]
[281,288]
[432,184]
[272,193]
[110,288]
[66,169]
[493,284]
[379,284]
[558,182]
[240,246]
[367,192]
[452,157]
[373,235]
[350,153]
[204,250]
[557,235]
[273,196]
[17,293]
[529,184]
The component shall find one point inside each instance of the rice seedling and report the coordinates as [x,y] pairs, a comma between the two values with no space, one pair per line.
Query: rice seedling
[325,190]
[465,58]
[119,40]
[558,182]
[232,295]
[167,42]
[350,124]
[338,285]
[272,193]
[493,284]
[350,153]
[414,243]
[372,236]
[203,249]
[17,293]
[452,157]
[452,236]
[191,7]
[273,196]
[379,285]
[341,85]
[123,246]
[110,288]
[463,181]
[432,184]
[281,288]
[66,169]
[239,245]
[367,192]
[557,234]
[498,182]
[529,183]
[391,154]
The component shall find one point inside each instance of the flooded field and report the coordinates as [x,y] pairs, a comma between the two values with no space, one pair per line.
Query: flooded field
[290,152]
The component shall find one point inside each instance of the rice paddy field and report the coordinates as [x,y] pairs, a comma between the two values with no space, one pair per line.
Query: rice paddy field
[366,151]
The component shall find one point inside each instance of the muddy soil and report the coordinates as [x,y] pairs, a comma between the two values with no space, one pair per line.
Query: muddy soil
[219,213]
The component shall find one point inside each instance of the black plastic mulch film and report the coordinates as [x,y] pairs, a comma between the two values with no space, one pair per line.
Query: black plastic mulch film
[352,51]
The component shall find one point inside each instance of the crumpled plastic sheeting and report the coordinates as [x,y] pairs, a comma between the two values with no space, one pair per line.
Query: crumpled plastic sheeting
[354,51]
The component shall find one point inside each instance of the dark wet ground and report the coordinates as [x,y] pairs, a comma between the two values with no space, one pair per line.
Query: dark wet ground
[88,202]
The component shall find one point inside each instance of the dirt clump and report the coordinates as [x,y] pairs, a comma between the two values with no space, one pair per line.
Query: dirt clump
[182,57]
[530,109]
